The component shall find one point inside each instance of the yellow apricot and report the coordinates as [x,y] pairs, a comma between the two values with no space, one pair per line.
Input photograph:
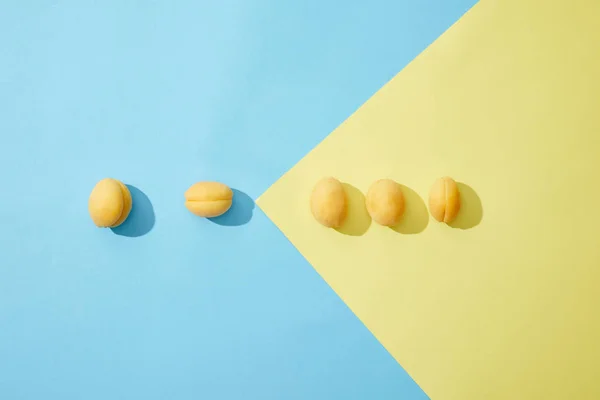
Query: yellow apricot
[444,200]
[328,202]
[385,202]
[208,199]
[109,203]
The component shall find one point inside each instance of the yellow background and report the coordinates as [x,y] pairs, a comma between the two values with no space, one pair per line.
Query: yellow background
[504,304]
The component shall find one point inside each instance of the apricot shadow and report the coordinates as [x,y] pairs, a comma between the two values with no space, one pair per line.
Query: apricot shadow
[416,215]
[141,218]
[357,220]
[471,209]
[240,213]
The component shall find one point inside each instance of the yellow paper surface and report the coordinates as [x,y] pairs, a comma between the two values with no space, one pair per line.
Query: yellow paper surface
[505,304]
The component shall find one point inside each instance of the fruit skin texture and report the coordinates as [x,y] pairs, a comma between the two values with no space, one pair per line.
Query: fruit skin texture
[444,200]
[385,202]
[328,202]
[109,203]
[208,199]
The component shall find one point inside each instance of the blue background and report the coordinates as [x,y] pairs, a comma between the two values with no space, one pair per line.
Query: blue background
[161,94]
